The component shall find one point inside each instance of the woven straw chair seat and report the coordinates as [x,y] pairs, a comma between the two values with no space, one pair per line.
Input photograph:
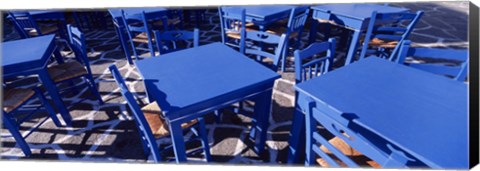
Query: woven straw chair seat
[45,29]
[67,70]
[170,21]
[142,38]
[153,115]
[15,97]
[353,154]
[383,43]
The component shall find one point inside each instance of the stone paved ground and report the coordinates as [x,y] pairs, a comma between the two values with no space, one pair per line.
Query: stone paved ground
[107,133]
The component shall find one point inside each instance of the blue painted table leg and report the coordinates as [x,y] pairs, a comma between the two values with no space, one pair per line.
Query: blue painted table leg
[353,47]
[48,107]
[297,138]
[176,133]
[58,56]
[313,31]
[204,137]
[55,95]
[9,124]
[262,113]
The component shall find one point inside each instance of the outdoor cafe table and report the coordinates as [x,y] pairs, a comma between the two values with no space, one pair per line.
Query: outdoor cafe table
[193,82]
[263,15]
[423,114]
[30,57]
[352,16]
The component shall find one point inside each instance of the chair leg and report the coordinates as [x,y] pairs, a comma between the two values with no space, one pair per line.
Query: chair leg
[48,107]
[204,136]
[93,88]
[9,124]
[309,128]
[284,54]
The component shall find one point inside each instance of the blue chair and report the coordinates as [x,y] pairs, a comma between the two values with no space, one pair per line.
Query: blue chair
[170,41]
[233,27]
[348,148]
[79,68]
[152,125]
[382,39]
[170,20]
[265,45]
[457,72]
[27,27]
[293,30]
[120,29]
[138,31]
[14,99]
[309,63]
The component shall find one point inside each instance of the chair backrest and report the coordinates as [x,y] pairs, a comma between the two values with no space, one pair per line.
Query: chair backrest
[24,23]
[262,44]
[137,24]
[315,60]
[170,41]
[232,20]
[390,27]
[333,121]
[76,39]
[297,19]
[147,137]
[458,72]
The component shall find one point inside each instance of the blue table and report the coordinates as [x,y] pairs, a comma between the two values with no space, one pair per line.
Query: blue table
[352,16]
[190,83]
[116,14]
[263,15]
[30,57]
[423,114]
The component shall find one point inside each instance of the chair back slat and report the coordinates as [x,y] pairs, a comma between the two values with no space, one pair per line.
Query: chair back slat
[79,47]
[318,57]
[334,122]
[391,27]
[148,139]
[388,37]
[232,20]
[297,19]
[260,41]
[168,41]
[458,55]
[458,72]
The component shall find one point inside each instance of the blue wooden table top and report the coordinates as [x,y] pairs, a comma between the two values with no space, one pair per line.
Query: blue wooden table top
[24,54]
[422,113]
[117,12]
[359,11]
[188,77]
